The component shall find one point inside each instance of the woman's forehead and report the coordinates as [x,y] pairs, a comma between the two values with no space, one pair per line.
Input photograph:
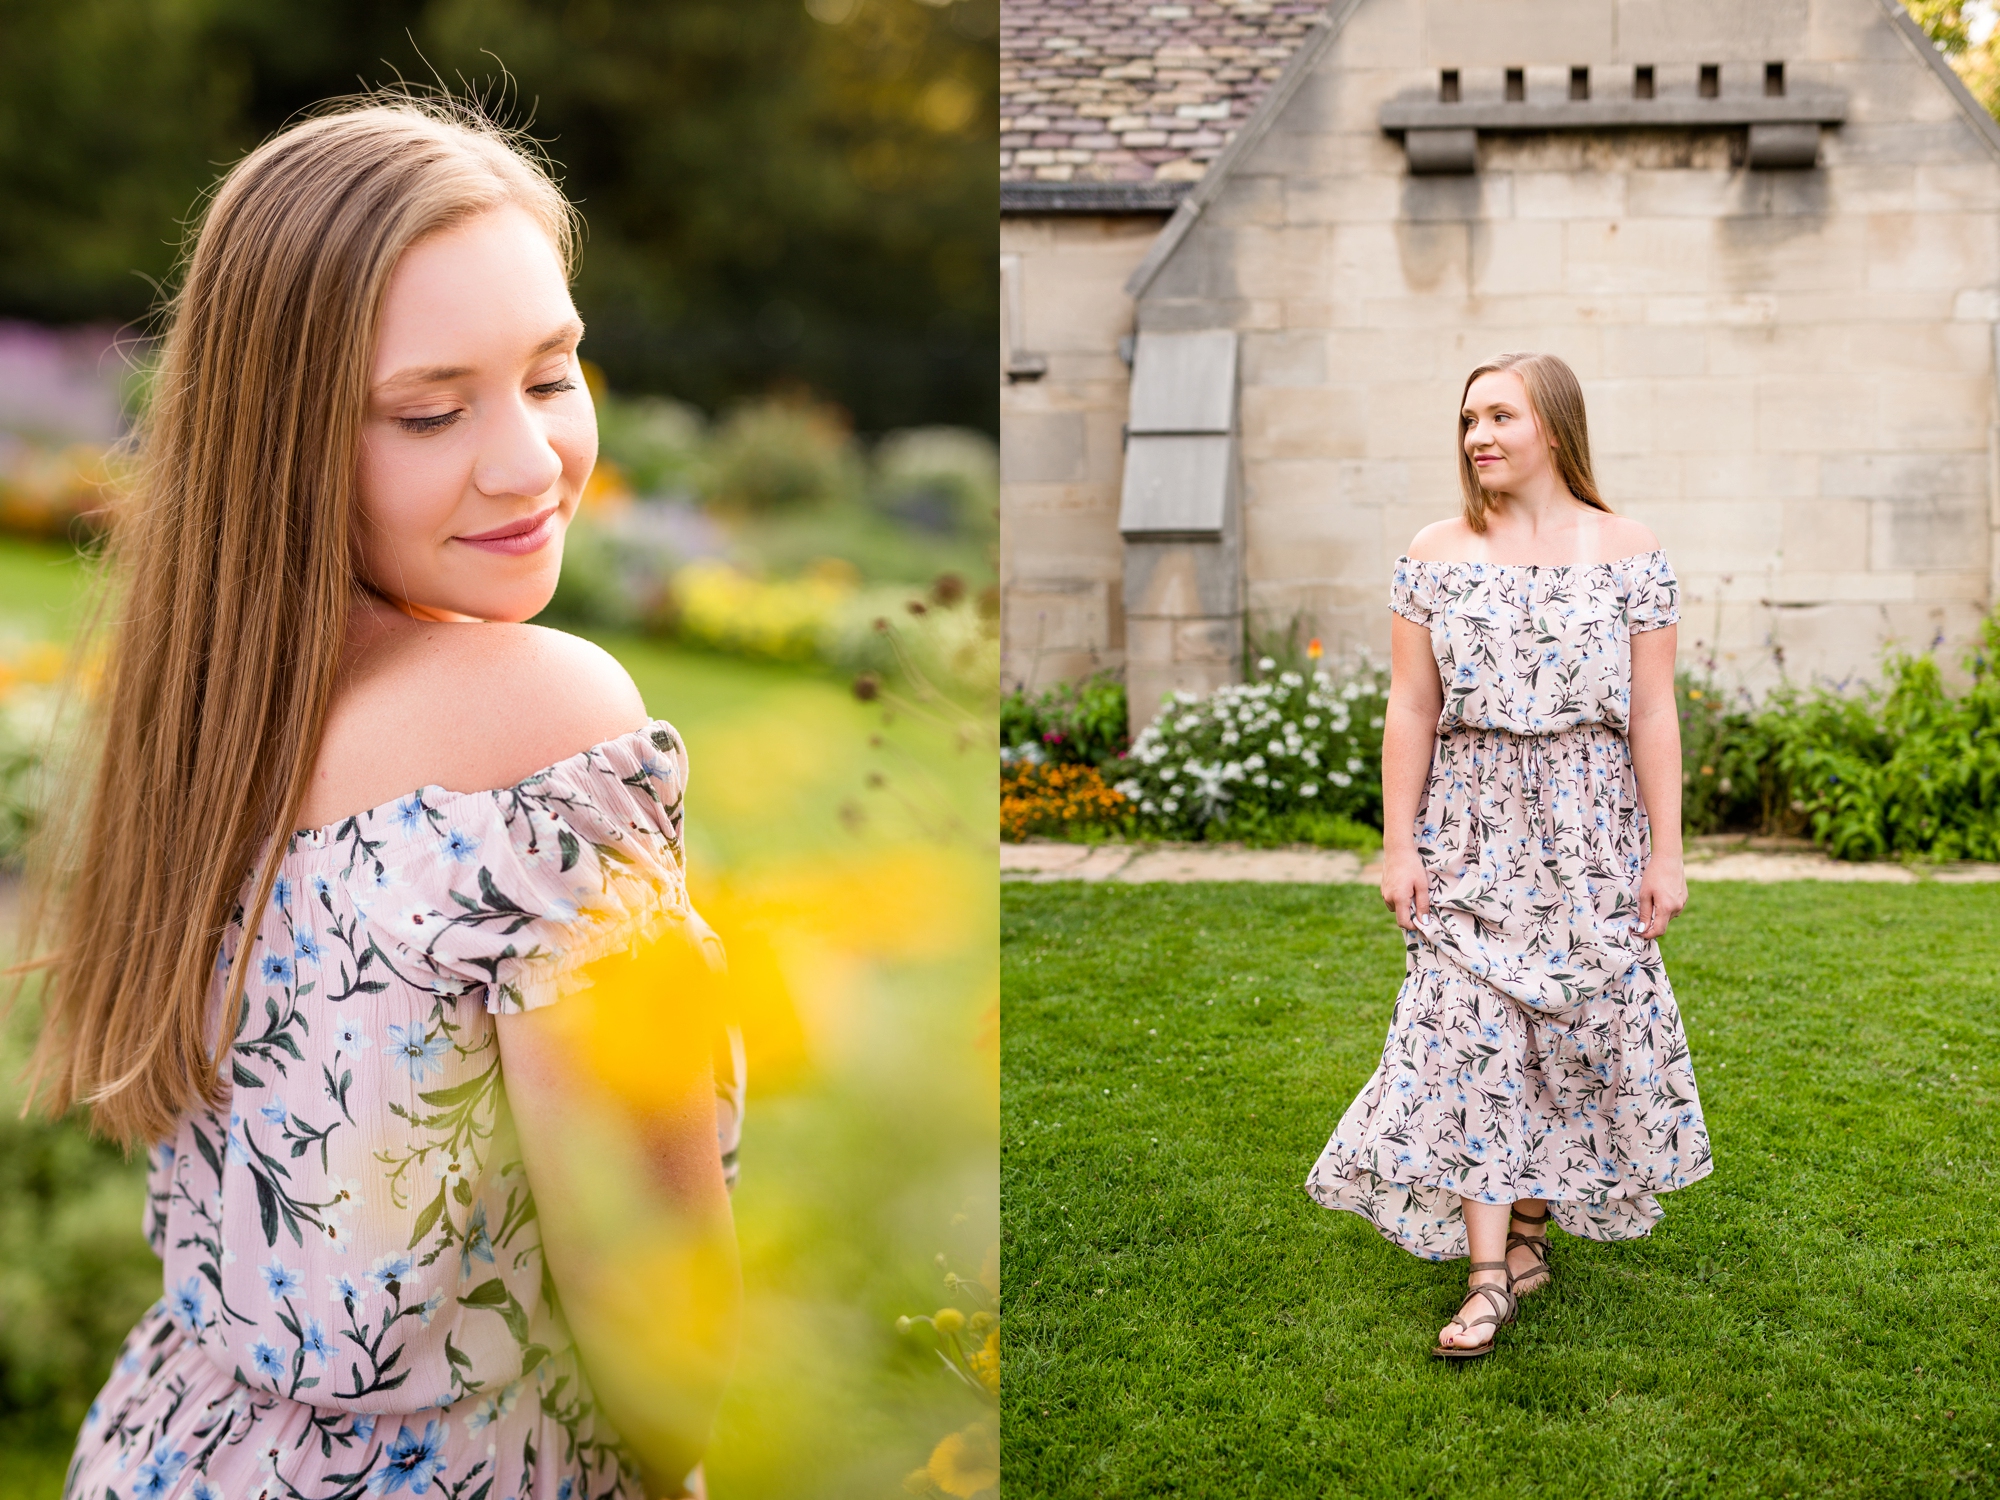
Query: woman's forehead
[1497,388]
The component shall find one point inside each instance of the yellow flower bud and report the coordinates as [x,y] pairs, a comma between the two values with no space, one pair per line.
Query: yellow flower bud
[948,1320]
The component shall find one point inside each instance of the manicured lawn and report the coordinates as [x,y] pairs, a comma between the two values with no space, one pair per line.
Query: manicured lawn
[1817,1317]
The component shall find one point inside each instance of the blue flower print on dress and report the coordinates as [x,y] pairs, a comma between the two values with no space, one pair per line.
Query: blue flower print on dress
[351,1039]
[478,1244]
[277,969]
[266,1360]
[410,1460]
[186,1304]
[279,1282]
[461,847]
[281,893]
[159,1473]
[306,949]
[314,1340]
[390,1270]
[274,1111]
[344,1289]
[409,814]
[418,1055]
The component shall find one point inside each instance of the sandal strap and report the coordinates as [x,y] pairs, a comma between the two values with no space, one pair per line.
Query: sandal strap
[1505,1307]
[1541,1218]
[1534,1242]
[1488,1265]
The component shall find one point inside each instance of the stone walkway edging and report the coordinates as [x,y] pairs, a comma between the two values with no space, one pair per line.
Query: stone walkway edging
[1142,864]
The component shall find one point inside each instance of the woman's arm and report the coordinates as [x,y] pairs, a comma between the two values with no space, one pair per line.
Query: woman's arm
[1656,759]
[636,1227]
[1409,735]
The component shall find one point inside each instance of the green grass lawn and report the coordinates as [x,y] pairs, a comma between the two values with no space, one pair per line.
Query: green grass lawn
[1817,1317]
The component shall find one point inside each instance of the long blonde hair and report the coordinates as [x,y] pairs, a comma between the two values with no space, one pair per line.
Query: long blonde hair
[1556,398]
[233,574]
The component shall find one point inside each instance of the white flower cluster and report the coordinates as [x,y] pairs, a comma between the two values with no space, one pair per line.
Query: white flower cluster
[1282,745]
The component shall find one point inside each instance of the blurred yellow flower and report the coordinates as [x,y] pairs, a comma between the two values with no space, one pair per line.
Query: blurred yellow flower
[948,1320]
[966,1463]
[985,1362]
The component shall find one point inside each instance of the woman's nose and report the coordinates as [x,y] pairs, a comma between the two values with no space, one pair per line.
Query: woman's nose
[517,457]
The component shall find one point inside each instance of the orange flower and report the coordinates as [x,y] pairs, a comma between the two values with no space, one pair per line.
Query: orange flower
[1042,799]
[966,1463]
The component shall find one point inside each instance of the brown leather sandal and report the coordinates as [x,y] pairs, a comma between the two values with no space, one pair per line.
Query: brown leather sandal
[1540,1274]
[1501,1315]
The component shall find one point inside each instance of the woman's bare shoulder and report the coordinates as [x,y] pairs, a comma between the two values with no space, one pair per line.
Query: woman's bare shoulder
[1442,541]
[1621,537]
[466,707]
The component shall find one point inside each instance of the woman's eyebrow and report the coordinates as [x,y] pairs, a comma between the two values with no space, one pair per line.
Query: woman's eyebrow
[433,374]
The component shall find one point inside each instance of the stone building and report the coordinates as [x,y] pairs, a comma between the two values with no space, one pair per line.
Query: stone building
[1250,249]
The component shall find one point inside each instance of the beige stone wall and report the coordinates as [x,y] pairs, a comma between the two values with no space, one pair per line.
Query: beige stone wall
[1790,374]
[1061,560]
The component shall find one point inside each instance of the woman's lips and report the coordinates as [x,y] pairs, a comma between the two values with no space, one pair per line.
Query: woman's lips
[517,538]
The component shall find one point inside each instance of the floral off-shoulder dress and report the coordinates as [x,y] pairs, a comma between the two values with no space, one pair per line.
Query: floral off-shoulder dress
[1535,1050]
[355,1298]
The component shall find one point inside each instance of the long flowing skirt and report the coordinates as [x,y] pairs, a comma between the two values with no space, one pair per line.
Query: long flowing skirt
[1535,1050]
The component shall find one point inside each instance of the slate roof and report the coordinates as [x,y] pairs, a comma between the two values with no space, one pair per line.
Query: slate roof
[1132,92]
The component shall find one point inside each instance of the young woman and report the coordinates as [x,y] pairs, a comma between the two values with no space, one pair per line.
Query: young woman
[1532,854]
[302,951]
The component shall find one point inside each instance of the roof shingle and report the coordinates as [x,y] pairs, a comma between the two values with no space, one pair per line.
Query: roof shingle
[1132,91]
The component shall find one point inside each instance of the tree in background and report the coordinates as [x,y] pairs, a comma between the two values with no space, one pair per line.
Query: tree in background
[1951,25]
[778,193]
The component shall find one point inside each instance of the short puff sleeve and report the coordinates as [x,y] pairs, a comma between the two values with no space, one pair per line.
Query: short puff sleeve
[532,883]
[1413,591]
[1652,594]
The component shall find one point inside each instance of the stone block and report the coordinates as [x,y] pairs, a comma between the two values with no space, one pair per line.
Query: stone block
[1357,356]
[1720,536]
[1642,351]
[1249,199]
[1942,531]
[1958,187]
[1412,419]
[1042,447]
[1470,33]
[1931,250]
[1399,260]
[1632,480]
[1745,475]
[1304,422]
[1937,411]
[1513,256]
[1777,348]
[1347,198]
[1921,349]
[1149,638]
[1294,357]
[1056,614]
[1288,261]
[1182,579]
[1898,144]
[1644,255]
[1901,476]
[1569,195]
[1699,31]
[1816,413]
[1210,642]
[1825,536]
[1791,254]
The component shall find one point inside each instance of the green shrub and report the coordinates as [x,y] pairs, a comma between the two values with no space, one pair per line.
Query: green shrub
[1730,780]
[77,1269]
[1073,723]
[1278,753]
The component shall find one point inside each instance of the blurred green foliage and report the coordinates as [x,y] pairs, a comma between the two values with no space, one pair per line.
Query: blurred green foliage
[778,194]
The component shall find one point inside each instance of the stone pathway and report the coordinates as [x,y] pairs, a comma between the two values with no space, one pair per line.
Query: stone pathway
[1722,858]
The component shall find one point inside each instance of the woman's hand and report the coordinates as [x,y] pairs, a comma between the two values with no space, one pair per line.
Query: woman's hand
[1663,894]
[1406,889]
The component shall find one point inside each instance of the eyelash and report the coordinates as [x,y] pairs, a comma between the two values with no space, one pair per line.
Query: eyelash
[422,425]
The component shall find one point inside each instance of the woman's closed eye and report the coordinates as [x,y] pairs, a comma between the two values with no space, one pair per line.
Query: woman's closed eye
[553,387]
[435,423]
